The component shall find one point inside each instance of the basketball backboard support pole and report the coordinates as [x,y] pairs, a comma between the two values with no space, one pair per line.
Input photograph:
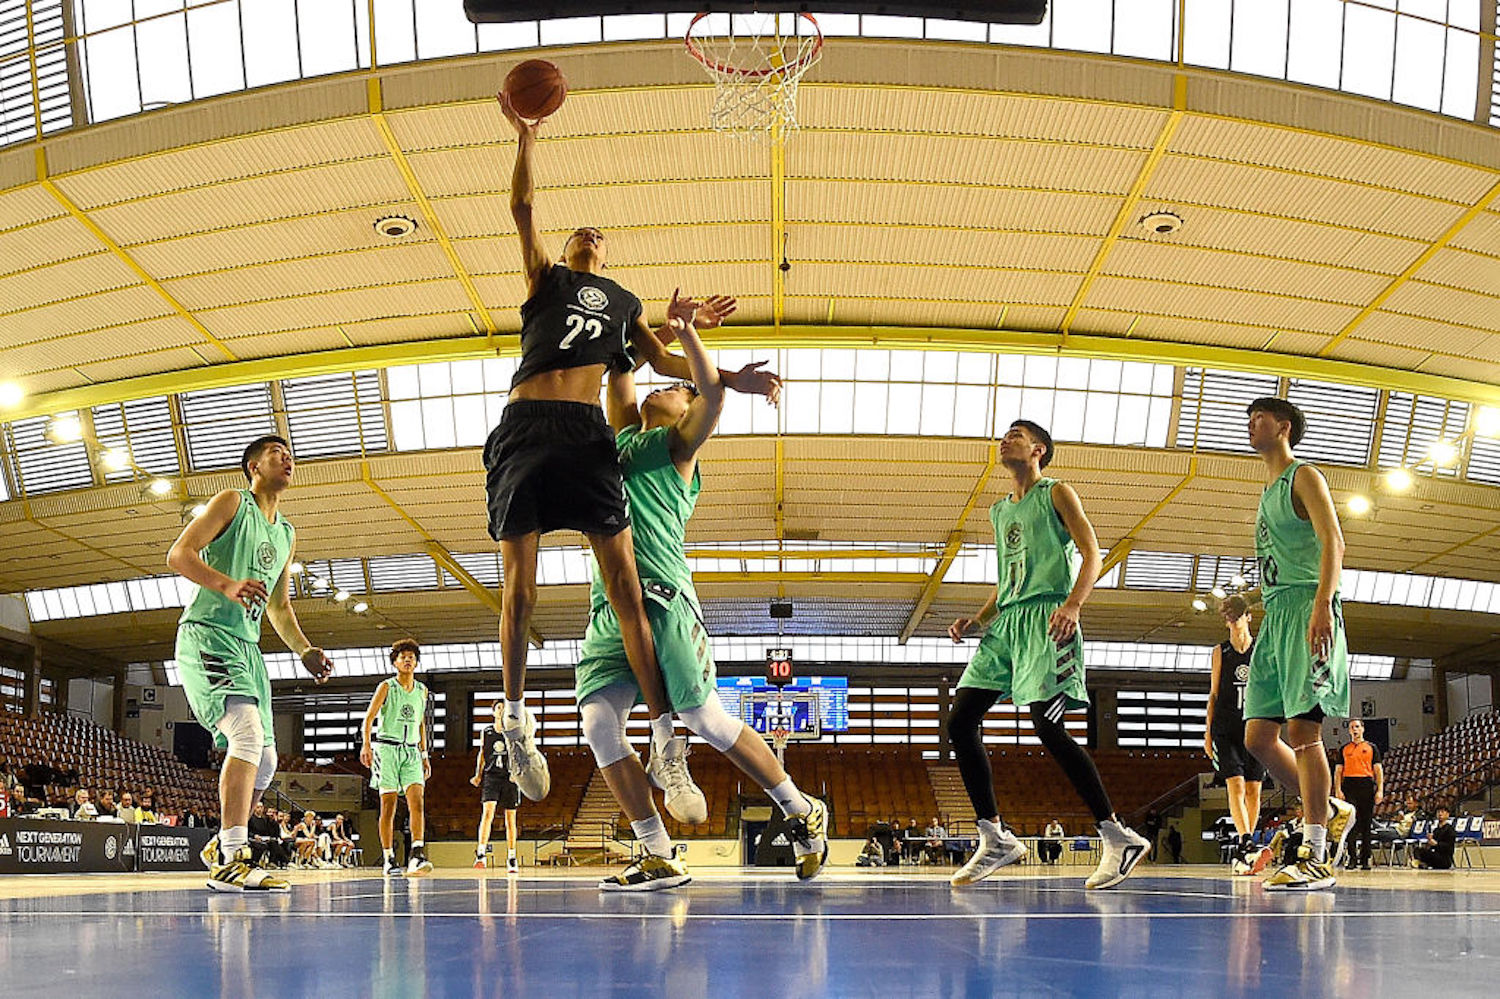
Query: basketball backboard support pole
[996,11]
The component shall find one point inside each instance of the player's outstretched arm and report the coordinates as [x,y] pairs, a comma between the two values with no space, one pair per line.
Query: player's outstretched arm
[703,413]
[1070,511]
[533,254]
[749,380]
[284,619]
[184,559]
[1310,492]
[376,703]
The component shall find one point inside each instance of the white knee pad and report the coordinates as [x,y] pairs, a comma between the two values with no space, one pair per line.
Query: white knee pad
[267,768]
[711,722]
[240,726]
[603,716]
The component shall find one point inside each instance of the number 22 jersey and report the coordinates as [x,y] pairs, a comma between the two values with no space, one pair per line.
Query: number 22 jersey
[573,320]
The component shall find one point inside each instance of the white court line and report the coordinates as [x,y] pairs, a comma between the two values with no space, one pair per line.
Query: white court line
[831,917]
[1145,891]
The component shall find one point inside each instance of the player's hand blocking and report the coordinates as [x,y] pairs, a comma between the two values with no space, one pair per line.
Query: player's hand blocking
[751,380]
[316,662]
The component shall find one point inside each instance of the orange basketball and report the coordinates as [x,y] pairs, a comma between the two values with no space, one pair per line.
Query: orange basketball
[536,88]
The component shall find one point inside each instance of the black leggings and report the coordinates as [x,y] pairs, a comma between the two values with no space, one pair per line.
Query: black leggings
[970,705]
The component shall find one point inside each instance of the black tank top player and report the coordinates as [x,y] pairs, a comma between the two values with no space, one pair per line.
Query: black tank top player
[573,320]
[1234,675]
[494,753]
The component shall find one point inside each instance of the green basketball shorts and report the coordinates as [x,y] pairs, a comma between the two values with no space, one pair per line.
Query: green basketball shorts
[682,648]
[214,665]
[393,769]
[1285,681]
[1017,658]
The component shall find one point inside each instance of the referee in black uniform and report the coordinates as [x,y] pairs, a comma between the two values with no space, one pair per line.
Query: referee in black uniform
[492,776]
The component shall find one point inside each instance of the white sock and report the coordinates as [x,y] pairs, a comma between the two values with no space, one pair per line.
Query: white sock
[479,852]
[417,844]
[652,834]
[515,710]
[790,800]
[390,855]
[231,839]
[1316,838]
[661,731]
[510,854]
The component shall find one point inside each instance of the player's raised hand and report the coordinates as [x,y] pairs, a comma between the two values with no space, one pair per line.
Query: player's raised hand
[681,311]
[250,593]
[713,311]
[316,662]
[522,126]
[751,380]
[958,629]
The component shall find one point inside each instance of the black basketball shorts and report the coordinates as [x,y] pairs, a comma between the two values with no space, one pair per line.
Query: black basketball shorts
[498,787]
[1232,759]
[552,465]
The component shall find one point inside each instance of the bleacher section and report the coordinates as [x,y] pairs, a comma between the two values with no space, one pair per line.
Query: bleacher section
[102,759]
[1446,767]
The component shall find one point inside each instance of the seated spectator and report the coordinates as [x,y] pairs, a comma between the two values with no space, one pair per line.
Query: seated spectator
[128,812]
[83,808]
[342,839]
[305,838]
[888,835]
[1407,817]
[873,855]
[1051,843]
[106,806]
[911,842]
[147,808]
[1437,853]
[935,835]
[265,837]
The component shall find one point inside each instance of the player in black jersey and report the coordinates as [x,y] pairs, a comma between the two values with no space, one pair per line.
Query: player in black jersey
[492,776]
[551,463]
[1224,738]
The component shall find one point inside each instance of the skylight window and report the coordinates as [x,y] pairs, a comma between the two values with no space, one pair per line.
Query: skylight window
[220,422]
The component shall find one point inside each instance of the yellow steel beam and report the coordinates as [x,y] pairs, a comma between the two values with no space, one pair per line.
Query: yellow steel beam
[1426,255]
[429,216]
[119,252]
[821,554]
[438,552]
[1123,547]
[809,577]
[1117,554]
[950,550]
[1132,198]
[766,338]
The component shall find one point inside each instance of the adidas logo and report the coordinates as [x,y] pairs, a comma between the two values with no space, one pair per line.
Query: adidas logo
[5,850]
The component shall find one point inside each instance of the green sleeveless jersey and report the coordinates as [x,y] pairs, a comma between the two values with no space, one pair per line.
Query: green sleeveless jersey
[660,503]
[401,716]
[1036,553]
[1286,546]
[251,547]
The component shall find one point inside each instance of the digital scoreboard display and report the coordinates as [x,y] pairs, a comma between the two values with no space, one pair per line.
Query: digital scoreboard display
[832,691]
[779,667]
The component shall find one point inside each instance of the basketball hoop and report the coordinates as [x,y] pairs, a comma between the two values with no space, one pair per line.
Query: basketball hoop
[779,739]
[755,73]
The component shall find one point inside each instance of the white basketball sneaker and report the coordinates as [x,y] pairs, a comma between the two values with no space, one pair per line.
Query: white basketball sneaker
[527,766]
[668,771]
[1123,849]
[997,848]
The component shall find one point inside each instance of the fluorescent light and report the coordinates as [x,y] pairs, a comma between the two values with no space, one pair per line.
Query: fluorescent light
[65,430]
[11,394]
[161,487]
[1359,505]
[1443,453]
[1398,480]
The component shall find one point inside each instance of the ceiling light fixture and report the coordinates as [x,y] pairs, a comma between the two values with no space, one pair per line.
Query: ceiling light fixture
[11,394]
[1218,593]
[160,487]
[360,607]
[1359,505]
[1486,420]
[65,430]
[1398,480]
[395,226]
[341,596]
[114,459]
[1237,581]
[295,568]
[1200,605]
[1443,453]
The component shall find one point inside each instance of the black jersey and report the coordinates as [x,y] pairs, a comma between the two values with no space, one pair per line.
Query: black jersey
[575,319]
[494,751]
[1234,675]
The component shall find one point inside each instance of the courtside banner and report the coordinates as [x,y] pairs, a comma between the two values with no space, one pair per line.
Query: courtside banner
[45,846]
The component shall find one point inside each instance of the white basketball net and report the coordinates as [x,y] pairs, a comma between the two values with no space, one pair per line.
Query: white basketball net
[755,68]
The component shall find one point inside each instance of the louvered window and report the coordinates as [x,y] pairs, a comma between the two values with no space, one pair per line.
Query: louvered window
[1413,423]
[1158,571]
[142,428]
[45,467]
[1213,408]
[221,422]
[1340,421]
[333,415]
[402,572]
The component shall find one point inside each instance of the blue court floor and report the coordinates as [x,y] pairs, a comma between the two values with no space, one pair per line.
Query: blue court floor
[744,933]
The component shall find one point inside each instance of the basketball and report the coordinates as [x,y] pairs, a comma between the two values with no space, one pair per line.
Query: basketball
[536,88]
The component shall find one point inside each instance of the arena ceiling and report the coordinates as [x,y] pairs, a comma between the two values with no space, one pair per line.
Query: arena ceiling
[967,197]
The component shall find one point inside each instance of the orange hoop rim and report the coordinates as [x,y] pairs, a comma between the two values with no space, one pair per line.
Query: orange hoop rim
[801,63]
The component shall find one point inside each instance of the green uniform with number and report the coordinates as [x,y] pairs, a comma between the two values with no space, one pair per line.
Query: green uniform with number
[396,753]
[1285,680]
[660,504]
[218,639]
[1038,566]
